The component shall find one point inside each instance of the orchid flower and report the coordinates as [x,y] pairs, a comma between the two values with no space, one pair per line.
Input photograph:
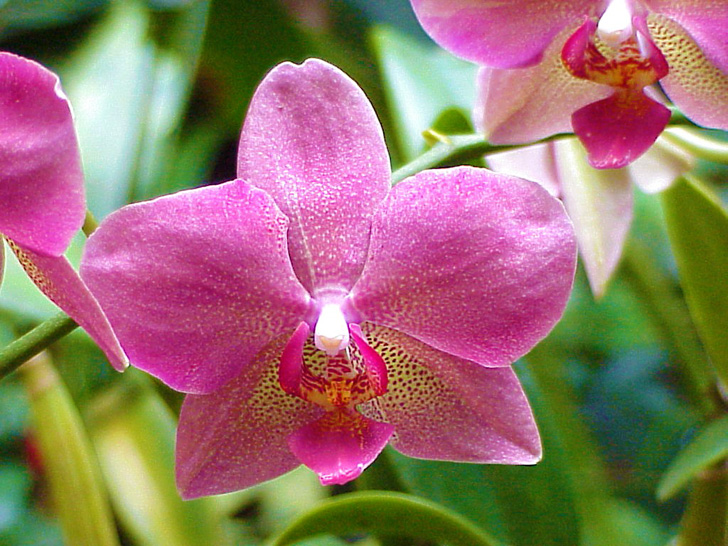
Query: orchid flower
[313,314]
[599,202]
[589,66]
[42,201]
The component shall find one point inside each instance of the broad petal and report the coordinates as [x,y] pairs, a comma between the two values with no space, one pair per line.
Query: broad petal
[312,141]
[237,436]
[599,203]
[498,34]
[340,445]
[473,263]
[446,408]
[617,130]
[2,260]
[57,279]
[705,22]
[516,106]
[535,163]
[696,83]
[196,283]
[661,165]
[41,181]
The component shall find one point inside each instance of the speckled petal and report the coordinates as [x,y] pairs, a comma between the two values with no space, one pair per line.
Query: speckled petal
[41,181]
[340,445]
[599,202]
[196,283]
[619,129]
[237,436]
[312,140]
[516,106]
[697,84]
[535,163]
[706,21]
[57,279]
[496,33]
[2,260]
[473,263]
[446,408]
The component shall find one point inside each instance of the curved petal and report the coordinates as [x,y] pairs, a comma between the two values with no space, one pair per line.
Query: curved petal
[697,84]
[446,408]
[195,283]
[496,33]
[516,106]
[599,203]
[41,181]
[662,164]
[312,140]
[536,163]
[617,130]
[237,436]
[57,279]
[705,22]
[340,445]
[473,263]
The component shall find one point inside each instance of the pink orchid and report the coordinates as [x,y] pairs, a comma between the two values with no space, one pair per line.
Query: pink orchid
[314,314]
[42,202]
[599,202]
[589,66]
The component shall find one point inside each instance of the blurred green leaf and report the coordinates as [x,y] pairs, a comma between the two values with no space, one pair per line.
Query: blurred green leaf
[704,522]
[14,489]
[32,14]
[698,229]
[384,514]
[420,81]
[708,448]
[136,451]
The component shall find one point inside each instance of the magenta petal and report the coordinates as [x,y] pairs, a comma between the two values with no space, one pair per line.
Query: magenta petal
[446,408]
[237,436]
[312,141]
[59,281]
[196,283]
[498,34]
[291,370]
[473,263]
[617,130]
[340,445]
[376,369]
[41,182]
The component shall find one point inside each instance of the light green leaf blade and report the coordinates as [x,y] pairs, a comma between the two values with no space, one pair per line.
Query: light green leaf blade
[698,227]
[385,514]
[708,447]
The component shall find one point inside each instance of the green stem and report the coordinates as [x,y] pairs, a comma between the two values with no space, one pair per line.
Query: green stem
[33,342]
[89,224]
[698,144]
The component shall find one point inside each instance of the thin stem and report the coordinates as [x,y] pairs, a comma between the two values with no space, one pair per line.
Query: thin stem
[89,224]
[30,344]
[698,144]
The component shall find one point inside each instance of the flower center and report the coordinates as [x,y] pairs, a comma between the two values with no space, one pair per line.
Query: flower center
[332,332]
[615,24]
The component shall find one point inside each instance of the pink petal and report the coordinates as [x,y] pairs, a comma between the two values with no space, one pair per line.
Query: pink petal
[291,369]
[696,83]
[599,203]
[41,182]
[237,436]
[59,281]
[196,283]
[340,445]
[617,130]
[446,408]
[312,140]
[473,263]
[516,106]
[536,163]
[498,34]
[375,368]
[705,22]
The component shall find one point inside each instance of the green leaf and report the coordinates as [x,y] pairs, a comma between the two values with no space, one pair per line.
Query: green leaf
[698,229]
[420,81]
[709,447]
[385,514]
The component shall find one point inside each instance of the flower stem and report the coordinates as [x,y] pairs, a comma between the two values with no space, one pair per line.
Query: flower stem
[33,342]
[89,224]
[698,144]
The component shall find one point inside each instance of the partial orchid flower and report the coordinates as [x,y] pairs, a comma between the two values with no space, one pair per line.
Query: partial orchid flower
[589,66]
[314,315]
[42,202]
[599,202]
